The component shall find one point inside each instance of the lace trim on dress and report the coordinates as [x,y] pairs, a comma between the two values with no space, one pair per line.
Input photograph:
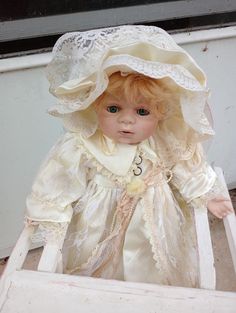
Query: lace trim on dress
[110,248]
[150,227]
[217,190]
[48,232]
[178,152]
[119,181]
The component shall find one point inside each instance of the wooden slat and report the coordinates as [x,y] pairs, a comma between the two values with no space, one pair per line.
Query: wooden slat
[207,276]
[229,222]
[39,292]
[16,260]
[51,258]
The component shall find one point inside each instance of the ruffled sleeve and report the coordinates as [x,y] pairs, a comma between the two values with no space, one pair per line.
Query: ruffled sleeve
[60,181]
[194,178]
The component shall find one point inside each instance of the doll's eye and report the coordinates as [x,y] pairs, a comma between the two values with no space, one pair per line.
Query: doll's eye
[143,112]
[112,109]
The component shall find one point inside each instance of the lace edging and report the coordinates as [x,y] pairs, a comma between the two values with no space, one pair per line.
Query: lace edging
[216,190]
[153,238]
[121,181]
[48,232]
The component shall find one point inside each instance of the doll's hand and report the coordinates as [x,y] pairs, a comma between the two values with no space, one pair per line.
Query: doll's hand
[220,206]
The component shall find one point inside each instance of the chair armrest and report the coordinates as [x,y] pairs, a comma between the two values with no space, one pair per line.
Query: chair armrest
[51,258]
[229,221]
[207,275]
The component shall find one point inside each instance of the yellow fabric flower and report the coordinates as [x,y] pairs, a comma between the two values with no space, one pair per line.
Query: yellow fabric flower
[136,187]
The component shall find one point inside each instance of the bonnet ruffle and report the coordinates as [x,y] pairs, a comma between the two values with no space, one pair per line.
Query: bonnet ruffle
[83,61]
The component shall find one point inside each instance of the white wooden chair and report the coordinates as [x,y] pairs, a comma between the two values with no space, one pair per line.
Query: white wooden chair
[47,290]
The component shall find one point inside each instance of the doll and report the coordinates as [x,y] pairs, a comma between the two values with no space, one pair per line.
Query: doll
[130,167]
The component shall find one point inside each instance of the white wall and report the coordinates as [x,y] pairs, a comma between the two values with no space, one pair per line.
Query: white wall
[27,132]
[217,58]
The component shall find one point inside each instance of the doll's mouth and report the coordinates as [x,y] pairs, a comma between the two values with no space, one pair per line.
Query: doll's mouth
[125,132]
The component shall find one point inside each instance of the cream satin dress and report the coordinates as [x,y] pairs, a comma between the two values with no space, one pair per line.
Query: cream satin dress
[130,216]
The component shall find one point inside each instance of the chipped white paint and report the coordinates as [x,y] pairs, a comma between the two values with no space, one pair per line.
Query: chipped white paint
[57,293]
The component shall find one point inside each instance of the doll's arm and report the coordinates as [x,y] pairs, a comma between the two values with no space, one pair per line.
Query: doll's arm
[220,206]
[60,182]
[217,202]
[198,184]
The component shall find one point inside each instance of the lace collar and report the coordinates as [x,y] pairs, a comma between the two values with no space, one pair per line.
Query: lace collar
[117,158]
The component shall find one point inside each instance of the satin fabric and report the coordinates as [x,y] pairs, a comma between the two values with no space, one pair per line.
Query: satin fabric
[81,183]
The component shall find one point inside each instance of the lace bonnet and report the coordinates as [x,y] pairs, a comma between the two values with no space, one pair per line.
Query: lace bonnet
[83,61]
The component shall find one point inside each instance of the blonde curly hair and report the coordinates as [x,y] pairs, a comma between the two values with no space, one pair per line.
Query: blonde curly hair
[138,88]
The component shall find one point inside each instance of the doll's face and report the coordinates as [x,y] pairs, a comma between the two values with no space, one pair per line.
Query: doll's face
[126,122]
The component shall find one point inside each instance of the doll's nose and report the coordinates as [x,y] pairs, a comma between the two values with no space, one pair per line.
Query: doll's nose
[126,118]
